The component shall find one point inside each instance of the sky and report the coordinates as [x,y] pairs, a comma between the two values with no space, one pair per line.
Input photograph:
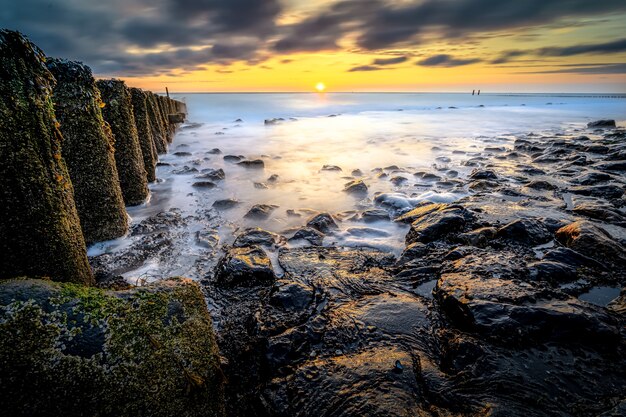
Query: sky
[349,45]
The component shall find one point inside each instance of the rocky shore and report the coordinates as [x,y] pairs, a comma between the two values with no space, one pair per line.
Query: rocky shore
[510,301]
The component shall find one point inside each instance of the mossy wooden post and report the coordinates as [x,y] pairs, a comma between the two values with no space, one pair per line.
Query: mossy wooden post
[40,232]
[160,100]
[88,152]
[118,111]
[156,123]
[144,132]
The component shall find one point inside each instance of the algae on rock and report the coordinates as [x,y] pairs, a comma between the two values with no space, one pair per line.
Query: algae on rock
[40,233]
[118,111]
[156,123]
[71,350]
[88,152]
[144,132]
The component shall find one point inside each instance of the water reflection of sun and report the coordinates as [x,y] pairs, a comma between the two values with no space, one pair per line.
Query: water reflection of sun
[320,87]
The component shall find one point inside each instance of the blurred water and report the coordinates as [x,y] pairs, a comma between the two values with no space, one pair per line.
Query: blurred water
[368,132]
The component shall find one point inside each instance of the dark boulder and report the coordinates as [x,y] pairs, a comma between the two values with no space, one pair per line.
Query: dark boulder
[260,211]
[88,152]
[438,225]
[323,222]
[245,267]
[356,187]
[313,236]
[483,174]
[225,204]
[526,231]
[118,112]
[585,237]
[252,164]
[258,236]
[40,233]
[604,124]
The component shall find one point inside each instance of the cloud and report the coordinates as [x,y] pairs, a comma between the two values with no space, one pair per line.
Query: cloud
[444,60]
[390,61]
[365,68]
[613,47]
[141,37]
[604,69]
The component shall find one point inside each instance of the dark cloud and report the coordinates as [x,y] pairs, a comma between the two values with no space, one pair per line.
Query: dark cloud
[604,69]
[613,47]
[390,61]
[380,24]
[444,60]
[104,33]
[365,68]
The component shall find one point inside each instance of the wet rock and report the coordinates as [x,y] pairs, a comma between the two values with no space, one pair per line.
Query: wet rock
[366,232]
[526,231]
[427,176]
[483,185]
[356,187]
[541,185]
[258,237]
[478,237]
[552,271]
[212,174]
[185,170]
[592,178]
[232,158]
[438,224]
[289,295]
[599,211]
[40,233]
[608,191]
[603,124]
[619,166]
[72,350]
[260,186]
[420,211]
[483,174]
[585,237]
[275,121]
[570,257]
[214,151]
[225,204]
[313,236]
[245,267]
[323,222]
[252,164]
[273,178]
[374,215]
[207,185]
[398,180]
[207,239]
[260,211]
[356,173]
[118,112]
[88,152]
[144,132]
[182,153]
[331,168]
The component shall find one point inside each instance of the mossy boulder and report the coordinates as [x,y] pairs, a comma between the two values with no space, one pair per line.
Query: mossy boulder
[88,152]
[118,112]
[40,232]
[144,132]
[159,134]
[70,350]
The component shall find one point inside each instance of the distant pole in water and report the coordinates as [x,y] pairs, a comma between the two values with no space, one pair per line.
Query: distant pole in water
[478,92]
[167,92]
[473,91]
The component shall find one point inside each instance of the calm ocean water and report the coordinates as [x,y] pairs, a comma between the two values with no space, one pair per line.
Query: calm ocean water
[381,135]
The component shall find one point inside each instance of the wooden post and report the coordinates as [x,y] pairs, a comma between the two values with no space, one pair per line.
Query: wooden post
[167,92]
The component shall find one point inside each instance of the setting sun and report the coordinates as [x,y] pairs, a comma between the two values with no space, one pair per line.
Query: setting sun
[320,87]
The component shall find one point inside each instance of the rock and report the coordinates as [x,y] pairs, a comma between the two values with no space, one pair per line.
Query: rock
[592,178]
[313,236]
[585,237]
[374,215]
[252,164]
[245,267]
[118,112]
[144,132]
[366,232]
[259,237]
[420,211]
[88,152]
[40,233]
[356,173]
[616,165]
[273,178]
[331,168]
[603,124]
[541,185]
[426,176]
[182,153]
[398,180]
[207,239]
[570,257]
[212,174]
[479,237]
[438,225]
[600,212]
[356,187]
[185,170]
[291,295]
[207,185]
[214,151]
[275,121]
[483,174]
[260,211]
[555,272]
[526,231]
[483,185]
[225,204]
[232,158]
[322,222]
[608,191]
[72,350]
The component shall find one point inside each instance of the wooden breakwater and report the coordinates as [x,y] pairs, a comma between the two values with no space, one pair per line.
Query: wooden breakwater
[75,151]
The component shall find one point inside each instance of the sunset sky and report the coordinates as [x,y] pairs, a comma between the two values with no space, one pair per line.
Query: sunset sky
[350,45]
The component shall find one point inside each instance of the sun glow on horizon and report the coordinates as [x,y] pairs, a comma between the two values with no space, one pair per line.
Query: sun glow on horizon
[320,87]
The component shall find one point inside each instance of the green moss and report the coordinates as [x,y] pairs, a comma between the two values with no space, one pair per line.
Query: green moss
[40,233]
[70,350]
[144,132]
[118,112]
[88,150]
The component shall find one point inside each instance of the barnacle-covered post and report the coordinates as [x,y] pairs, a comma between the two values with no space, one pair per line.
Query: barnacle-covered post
[156,123]
[88,152]
[144,132]
[118,112]
[40,232]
